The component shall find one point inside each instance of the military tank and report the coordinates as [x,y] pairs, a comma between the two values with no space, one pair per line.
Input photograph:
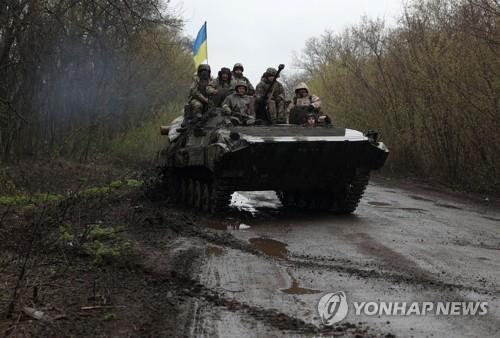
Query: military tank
[324,167]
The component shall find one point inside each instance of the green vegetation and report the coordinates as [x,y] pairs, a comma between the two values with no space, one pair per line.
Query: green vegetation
[430,85]
[41,198]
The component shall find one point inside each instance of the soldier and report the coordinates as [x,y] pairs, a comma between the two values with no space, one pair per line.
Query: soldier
[304,100]
[304,105]
[237,75]
[198,94]
[276,98]
[239,104]
[221,87]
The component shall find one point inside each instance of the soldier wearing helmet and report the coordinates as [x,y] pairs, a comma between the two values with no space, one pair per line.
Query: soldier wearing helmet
[198,93]
[305,106]
[239,104]
[276,100]
[221,87]
[237,75]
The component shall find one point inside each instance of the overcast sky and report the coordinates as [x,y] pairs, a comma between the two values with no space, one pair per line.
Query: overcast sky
[265,33]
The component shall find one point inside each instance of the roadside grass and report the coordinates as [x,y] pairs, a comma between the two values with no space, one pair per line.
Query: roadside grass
[42,198]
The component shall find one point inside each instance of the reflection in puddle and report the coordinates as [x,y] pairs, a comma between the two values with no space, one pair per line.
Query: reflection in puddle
[214,251]
[295,289]
[270,247]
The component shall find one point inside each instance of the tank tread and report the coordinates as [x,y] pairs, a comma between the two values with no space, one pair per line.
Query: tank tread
[354,192]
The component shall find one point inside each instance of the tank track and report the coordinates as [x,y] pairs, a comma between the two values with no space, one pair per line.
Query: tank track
[347,202]
[344,202]
[211,196]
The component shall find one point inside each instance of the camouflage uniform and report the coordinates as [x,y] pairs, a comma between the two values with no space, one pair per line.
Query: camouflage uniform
[240,105]
[198,94]
[235,78]
[311,101]
[219,88]
[276,101]
[303,107]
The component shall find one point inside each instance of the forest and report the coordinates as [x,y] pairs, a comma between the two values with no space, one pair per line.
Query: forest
[430,84]
[77,76]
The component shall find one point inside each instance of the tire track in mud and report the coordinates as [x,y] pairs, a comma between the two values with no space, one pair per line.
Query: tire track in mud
[172,271]
[414,275]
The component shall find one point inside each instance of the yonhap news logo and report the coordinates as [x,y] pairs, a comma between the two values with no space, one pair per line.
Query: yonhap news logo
[333,307]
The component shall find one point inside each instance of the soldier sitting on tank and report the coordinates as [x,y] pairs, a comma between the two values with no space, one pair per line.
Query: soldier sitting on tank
[239,105]
[221,87]
[198,94]
[276,100]
[237,75]
[303,104]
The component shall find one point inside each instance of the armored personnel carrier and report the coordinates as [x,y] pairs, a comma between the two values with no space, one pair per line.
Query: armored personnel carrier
[323,167]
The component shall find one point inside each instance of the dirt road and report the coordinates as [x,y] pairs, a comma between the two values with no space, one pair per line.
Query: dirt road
[268,271]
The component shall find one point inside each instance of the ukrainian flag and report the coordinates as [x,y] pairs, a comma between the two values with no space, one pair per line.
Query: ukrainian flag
[200,50]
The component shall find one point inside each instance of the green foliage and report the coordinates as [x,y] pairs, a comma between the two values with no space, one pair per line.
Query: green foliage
[109,316]
[28,200]
[103,242]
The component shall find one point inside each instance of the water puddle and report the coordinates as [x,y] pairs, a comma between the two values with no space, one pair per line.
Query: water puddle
[295,289]
[214,251]
[419,198]
[270,247]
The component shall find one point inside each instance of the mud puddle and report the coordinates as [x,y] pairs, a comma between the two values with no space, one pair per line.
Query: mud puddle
[270,247]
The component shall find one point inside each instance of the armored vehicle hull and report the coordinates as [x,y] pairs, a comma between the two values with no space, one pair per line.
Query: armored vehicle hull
[318,168]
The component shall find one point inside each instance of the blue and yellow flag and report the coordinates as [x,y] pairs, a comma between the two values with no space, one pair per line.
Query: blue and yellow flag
[200,50]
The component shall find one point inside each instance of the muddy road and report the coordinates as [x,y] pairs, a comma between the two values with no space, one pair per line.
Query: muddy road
[268,267]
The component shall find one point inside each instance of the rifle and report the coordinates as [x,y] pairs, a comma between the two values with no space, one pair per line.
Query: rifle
[262,110]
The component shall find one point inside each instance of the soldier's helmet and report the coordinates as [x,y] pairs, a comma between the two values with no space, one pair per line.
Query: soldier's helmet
[271,72]
[225,70]
[203,67]
[300,86]
[238,65]
[241,84]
